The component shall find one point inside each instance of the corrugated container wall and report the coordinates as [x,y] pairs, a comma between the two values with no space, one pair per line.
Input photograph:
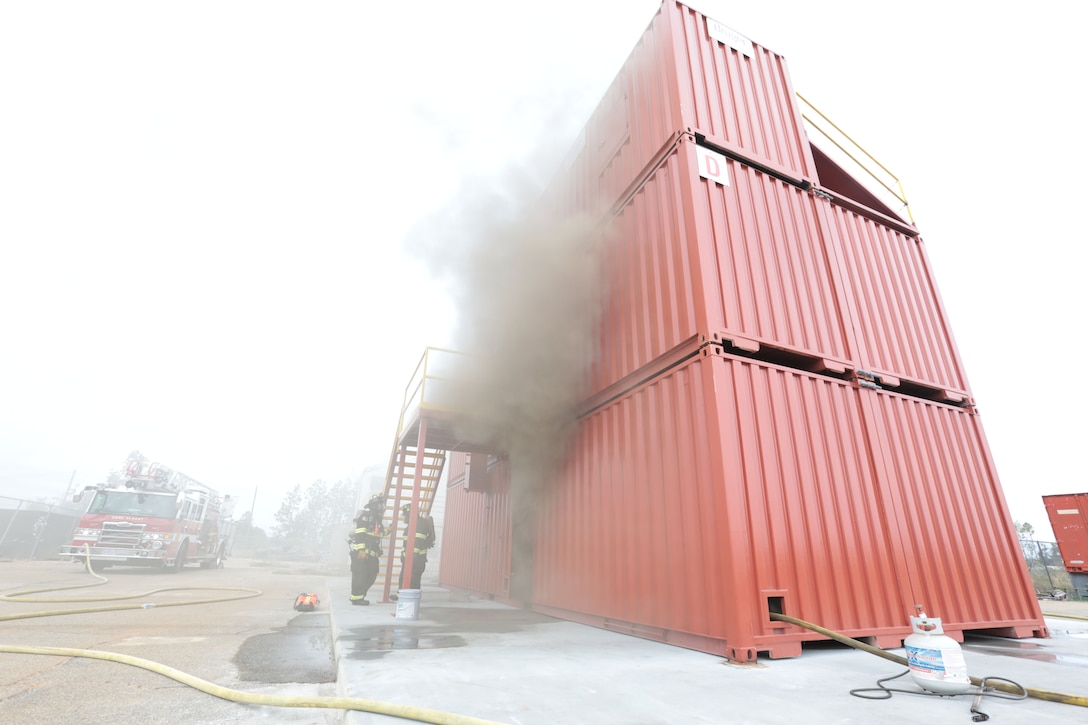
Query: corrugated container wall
[901,328]
[726,486]
[680,79]
[688,256]
[476,539]
[762,263]
[962,556]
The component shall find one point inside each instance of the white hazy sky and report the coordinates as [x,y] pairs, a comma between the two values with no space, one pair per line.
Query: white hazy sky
[202,207]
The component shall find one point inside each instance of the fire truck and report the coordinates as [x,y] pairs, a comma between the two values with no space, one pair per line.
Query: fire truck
[153,517]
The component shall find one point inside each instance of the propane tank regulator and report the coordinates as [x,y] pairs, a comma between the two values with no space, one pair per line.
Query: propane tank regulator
[935,660]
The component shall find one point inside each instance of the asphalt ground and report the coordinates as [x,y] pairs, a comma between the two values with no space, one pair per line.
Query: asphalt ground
[257,645]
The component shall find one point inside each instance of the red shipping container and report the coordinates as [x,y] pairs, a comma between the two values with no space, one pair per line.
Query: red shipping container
[738,256]
[456,465]
[476,536]
[712,248]
[1068,515]
[688,73]
[727,488]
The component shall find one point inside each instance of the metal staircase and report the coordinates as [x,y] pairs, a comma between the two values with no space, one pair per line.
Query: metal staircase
[426,432]
[400,483]
[417,459]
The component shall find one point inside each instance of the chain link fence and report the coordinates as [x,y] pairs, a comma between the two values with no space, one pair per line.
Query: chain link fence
[1048,572]
[34,530]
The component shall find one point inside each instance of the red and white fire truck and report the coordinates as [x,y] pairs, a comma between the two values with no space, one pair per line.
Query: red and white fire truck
[153,517]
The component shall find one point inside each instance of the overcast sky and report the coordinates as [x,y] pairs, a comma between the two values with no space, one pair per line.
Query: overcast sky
[203,207]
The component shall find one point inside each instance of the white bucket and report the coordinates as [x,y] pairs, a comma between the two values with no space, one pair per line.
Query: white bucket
[408,604]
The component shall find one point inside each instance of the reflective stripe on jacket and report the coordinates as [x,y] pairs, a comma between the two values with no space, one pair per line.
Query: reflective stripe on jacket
[368,538]
[424,537]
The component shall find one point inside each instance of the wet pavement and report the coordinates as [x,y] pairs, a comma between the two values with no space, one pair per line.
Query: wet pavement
[299,652]
[477,658]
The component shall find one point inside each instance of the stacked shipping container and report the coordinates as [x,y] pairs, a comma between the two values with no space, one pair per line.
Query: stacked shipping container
[778,419]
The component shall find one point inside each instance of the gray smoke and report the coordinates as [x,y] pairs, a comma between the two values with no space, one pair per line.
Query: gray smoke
[526,285]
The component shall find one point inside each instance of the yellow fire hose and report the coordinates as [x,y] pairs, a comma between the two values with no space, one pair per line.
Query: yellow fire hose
[1064,616]
[352,703]
[406,712]
[1049,695]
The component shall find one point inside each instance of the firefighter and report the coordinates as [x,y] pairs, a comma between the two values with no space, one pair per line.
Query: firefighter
[365,546]
[424,541]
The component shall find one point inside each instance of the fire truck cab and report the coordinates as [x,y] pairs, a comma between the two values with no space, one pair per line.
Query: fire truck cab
[155,517]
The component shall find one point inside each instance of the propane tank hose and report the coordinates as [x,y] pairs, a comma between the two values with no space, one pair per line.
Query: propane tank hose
[407,712]
[1014,690]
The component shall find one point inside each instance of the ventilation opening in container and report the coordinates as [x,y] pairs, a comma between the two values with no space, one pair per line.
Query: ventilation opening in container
[789,359]
[937,395]
[775,600]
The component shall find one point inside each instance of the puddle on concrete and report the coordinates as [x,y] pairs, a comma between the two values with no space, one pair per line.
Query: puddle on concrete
[486,620]
[454,628]
[372,642]
[298,652]
[1021,650]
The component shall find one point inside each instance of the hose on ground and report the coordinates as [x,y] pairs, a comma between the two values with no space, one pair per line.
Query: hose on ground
[1064,616]
[1003,686]
[407,712]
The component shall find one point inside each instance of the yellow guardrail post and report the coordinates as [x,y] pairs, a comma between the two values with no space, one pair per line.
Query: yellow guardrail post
[900,194]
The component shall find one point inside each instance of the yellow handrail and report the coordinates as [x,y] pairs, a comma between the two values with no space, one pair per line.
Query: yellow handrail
[899,195]
[416,389]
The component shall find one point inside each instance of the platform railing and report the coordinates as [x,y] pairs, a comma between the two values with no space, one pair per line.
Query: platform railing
[855,154]
[427,389]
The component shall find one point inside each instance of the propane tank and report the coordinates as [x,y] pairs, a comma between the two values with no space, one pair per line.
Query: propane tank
[935,660]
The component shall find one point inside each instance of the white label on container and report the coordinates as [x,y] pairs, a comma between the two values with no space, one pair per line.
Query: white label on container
[712,165]
[1069,511]
[730,37]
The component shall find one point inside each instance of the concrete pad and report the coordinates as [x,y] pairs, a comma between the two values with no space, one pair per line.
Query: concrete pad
[486,660]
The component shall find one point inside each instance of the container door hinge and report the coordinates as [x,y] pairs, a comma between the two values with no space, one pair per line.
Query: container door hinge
[866,379]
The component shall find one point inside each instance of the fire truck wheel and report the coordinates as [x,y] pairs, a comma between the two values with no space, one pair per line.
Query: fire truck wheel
[179,560]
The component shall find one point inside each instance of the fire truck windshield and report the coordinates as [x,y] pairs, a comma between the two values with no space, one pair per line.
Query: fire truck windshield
[133,503]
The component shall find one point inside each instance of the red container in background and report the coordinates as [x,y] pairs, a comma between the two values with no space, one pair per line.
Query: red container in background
[1068,515]
[687,73]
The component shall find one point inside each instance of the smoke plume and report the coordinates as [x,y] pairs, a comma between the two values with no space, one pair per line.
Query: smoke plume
[526,285]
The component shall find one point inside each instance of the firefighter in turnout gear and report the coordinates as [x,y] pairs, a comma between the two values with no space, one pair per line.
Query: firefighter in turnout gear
[365,546]
[424,540]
